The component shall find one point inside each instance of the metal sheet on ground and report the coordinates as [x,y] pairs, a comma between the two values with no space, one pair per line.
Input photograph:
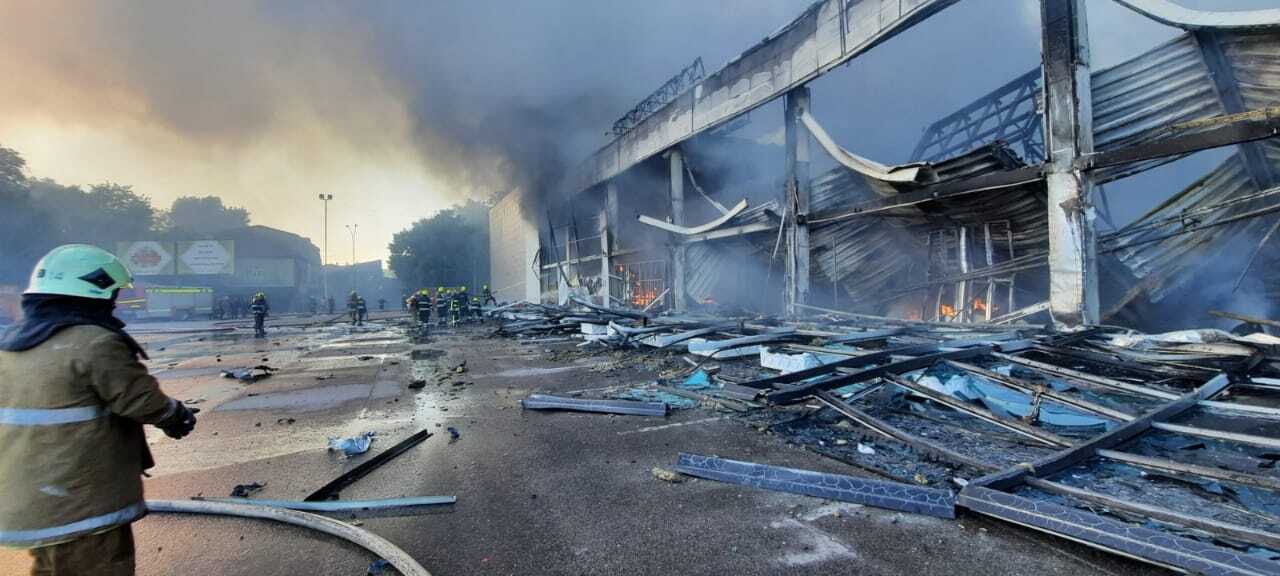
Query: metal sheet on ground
[890,495]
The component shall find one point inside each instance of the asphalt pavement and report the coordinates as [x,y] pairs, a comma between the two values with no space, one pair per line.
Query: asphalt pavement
[538,492]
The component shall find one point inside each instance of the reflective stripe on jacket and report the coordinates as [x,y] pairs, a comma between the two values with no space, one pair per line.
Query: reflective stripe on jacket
[72,448]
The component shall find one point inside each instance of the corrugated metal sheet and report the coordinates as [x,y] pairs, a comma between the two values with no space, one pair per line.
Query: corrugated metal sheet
[1172,263]
[1132,102]
[1255,63]
[1176,262]
[1135,100]
[871,257]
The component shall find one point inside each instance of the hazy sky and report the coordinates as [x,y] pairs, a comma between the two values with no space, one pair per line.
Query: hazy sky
[399,108]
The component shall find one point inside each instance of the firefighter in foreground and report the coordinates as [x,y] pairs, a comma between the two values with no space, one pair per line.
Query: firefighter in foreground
[260,309]
[73,399]
[488,296]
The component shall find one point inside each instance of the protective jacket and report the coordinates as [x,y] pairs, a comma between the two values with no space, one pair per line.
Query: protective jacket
[72,448]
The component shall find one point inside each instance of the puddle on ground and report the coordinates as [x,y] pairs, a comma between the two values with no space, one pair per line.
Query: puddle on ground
[313,399]
[426,354]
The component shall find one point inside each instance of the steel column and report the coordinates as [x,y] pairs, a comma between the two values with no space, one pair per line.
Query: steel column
[608,220]
[676,158]
[797,201]
[1068,120]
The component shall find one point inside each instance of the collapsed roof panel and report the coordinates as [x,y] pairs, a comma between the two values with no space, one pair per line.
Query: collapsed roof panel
[1167,12]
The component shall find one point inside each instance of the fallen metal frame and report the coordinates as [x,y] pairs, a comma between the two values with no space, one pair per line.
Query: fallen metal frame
[984,495]
[627,407]
[1158,547]
[881,494]
[988,495]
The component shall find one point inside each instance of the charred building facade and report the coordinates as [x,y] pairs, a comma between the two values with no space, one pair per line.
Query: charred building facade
[995,219]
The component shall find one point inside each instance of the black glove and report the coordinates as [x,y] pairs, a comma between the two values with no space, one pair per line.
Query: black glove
[178,424]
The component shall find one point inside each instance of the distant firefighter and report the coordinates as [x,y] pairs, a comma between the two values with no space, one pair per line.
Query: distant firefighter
[259,308]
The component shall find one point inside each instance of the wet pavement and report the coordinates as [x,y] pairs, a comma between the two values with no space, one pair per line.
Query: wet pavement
[538,492]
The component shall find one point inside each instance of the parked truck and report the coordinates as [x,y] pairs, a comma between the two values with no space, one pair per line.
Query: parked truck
[165,302]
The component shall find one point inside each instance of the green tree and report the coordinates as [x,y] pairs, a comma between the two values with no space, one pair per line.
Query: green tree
[13,169]
[451,248]
[106,214]
[26,231]
[205,217]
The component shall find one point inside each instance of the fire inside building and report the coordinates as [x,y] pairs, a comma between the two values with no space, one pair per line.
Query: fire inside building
[994,224]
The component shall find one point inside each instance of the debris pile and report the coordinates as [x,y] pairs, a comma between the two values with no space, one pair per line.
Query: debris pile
[1155,446]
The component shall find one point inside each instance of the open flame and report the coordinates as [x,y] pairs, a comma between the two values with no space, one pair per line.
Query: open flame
[642,298]
[979,305]
[948,310]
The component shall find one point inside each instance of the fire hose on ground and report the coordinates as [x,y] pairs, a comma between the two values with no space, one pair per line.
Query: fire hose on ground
[378,545]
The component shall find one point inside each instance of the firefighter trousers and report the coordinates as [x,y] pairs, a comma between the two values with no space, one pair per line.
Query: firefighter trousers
[107,553]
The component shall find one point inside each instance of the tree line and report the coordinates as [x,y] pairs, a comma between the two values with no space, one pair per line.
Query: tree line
[37,214]
[451,248]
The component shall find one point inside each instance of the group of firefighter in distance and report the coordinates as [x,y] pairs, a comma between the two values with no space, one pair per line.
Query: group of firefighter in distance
[452,306]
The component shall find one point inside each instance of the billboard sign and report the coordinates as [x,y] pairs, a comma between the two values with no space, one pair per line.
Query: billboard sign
[207,257]
[146,258]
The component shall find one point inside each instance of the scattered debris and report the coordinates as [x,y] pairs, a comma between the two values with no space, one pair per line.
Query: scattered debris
[251,375]
[378,567]
[417,383]
[352,446]
[453,433]
[666,475]
[331,490]
[246,490]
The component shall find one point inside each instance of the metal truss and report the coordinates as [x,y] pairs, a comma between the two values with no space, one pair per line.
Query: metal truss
[672,88]
[1010,114]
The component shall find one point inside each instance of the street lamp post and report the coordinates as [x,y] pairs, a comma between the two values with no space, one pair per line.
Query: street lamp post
[324,257]
[352,229]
